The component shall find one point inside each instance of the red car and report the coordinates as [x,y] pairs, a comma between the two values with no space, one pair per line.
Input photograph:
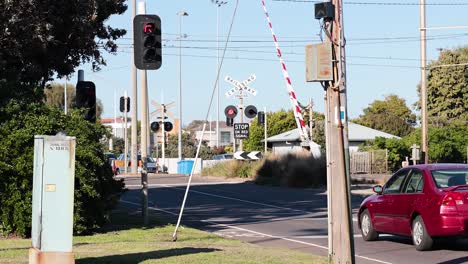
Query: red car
[421,201]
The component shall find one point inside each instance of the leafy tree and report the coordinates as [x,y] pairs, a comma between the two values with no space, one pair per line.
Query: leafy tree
[96,191]
[391,115]
[447,88]
[39,39]
[54,96]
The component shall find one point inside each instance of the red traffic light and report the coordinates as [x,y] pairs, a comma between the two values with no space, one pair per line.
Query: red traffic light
[149,28]
[230,111]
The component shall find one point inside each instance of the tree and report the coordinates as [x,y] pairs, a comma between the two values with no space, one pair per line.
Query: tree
[96,191]
[39,39]
[391,115]
[54,96]
[447,88]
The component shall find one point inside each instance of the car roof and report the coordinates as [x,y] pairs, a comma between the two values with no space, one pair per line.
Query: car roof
[439,166]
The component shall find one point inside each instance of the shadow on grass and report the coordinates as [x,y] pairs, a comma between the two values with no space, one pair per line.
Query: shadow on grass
[140,257]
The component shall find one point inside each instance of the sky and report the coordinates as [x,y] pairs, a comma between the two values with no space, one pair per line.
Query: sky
[382,50]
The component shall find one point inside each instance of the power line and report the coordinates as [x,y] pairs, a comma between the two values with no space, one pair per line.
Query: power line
[378,3]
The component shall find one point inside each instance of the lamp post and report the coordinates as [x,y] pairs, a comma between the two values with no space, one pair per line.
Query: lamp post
[179,146]
[218,4]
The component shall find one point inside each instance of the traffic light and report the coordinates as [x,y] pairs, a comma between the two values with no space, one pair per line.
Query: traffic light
[230,111]
[168,126]
[261,118]
[86,98]
[154,126]
[147,42]
[250,111]
[229,122]
[122,104]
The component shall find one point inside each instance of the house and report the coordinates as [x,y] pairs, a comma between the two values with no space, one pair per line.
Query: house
[290,141]
[226,134]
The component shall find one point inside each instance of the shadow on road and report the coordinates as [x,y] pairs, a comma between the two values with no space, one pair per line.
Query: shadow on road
[140,257]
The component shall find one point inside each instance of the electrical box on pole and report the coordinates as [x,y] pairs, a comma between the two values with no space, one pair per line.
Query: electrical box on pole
[147,42]
[319,62]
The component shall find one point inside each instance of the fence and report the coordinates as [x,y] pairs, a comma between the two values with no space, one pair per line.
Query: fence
[370,162]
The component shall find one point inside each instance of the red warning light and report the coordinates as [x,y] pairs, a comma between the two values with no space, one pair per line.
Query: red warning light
[231,111]
[149,28]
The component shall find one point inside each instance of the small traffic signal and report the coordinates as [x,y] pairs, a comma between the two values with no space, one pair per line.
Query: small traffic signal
[147,42]
[261,118]
[230,111]
[122,104]
[229,122]
[86,98]
[250,111]
[154,126]
[168,126]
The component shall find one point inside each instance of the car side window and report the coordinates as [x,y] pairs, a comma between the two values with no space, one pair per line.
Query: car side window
[394,184]
[415,183]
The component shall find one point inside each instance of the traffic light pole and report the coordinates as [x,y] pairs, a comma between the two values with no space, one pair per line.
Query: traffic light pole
[134,136]
[144,133]
[125,131]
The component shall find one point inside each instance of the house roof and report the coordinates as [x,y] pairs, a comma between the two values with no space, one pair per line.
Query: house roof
[355,133]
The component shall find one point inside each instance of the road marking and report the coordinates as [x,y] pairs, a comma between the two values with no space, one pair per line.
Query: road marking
[255,232]
[180,184]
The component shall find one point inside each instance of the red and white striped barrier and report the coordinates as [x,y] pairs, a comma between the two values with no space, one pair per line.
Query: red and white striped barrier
[292,94]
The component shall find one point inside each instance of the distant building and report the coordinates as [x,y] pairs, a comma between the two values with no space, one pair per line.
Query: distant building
[290,141]
[226,134]
[117,125]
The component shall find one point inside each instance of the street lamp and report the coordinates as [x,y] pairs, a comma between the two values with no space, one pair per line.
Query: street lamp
[218,4]
[180,14]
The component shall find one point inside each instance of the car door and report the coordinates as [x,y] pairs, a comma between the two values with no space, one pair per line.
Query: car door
[405,203]
[383,206]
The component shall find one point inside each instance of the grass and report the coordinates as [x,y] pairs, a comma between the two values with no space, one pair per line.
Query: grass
[126,241]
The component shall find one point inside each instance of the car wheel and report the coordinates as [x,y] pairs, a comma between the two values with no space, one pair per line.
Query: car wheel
[421,239]
[367,228]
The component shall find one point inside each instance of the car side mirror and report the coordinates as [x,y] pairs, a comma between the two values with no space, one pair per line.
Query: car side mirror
[377,189]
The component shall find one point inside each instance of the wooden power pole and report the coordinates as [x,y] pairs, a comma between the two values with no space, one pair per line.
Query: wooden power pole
[325,63]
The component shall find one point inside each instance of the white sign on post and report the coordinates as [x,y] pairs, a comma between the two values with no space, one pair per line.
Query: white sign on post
[240,87]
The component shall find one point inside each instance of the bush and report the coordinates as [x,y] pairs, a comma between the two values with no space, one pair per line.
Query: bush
[233,169]
[293,171]
[96,191]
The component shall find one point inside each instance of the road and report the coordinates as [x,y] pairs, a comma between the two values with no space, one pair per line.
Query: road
[275,217]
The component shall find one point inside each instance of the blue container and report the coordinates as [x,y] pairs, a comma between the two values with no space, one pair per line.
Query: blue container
[184,166]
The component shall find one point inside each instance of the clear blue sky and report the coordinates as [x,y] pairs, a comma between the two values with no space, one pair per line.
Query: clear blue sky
[382,52]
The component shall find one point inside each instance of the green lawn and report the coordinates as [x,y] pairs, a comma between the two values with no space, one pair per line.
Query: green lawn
[125,241]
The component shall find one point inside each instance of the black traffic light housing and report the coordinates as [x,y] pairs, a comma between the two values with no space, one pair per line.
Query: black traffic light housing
[250,111]
[229,121]
[261,118]
[86,99]
[147,42]
[122,104]
[168,126]
[230,111]
[154,126]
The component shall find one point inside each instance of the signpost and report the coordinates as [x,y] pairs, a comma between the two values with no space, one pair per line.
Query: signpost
[241,131]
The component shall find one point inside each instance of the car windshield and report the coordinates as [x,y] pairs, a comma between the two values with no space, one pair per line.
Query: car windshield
[450,177]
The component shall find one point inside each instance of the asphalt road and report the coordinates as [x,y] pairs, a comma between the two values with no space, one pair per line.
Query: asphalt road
[276,217]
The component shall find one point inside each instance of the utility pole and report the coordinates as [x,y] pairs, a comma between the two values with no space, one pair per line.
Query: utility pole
[218,5]
[65,97]
[311,118]
[163,135]
[125,130]
[179,130]
[144,132]
[340,228]
[133,106]
[265,131]
[422,30]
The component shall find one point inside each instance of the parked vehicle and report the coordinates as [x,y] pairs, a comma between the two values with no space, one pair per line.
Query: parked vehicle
[151,165]
[223,157]
[111,159]
[422,201]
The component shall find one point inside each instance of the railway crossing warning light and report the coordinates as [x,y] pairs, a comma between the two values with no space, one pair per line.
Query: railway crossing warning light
[251,111]
[261,118]
[147,42]
[122,104]
[86,98]
[168,126]
[230,111]
[154,126]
